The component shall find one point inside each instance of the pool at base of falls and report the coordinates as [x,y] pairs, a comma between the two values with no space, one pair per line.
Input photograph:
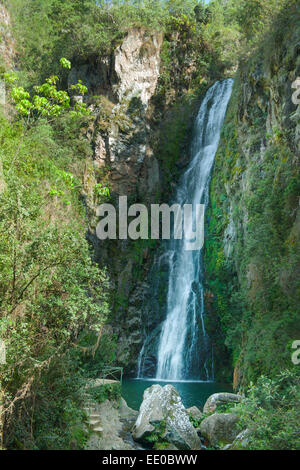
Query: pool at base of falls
[192,393]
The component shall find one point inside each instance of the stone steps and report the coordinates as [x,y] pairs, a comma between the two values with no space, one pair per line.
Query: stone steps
[98,429]
[94,415]
[93,420]
[89,411]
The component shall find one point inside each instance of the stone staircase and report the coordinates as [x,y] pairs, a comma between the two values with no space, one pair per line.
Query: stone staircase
[93,416]
[109,423]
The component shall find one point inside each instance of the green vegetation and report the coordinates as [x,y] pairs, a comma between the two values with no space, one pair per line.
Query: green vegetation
[106,392]
[50,416]
[84,29]
[155,438]
[55,301]
[271,413]
[254,201]
[195,422]
[172,146]
[50,289]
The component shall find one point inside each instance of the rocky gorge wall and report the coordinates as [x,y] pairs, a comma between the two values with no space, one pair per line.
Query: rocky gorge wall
[7,48]
[144,95]
[252,249]
[135,155]
[142,103]
[140,137]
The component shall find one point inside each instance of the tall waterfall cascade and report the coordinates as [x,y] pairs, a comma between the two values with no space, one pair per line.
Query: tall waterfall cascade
[184,351]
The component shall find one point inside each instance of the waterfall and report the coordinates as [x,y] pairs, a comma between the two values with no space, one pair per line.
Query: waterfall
[184,351]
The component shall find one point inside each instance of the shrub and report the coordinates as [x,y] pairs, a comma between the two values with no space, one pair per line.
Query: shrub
[271,411]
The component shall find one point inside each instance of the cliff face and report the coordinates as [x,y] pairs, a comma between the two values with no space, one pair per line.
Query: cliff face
[7,50]
[122,86]
[123,157]
[253,240]
[6,61]
[140,145]
[6,39]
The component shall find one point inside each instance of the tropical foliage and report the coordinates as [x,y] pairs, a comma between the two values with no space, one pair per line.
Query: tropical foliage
[54,300]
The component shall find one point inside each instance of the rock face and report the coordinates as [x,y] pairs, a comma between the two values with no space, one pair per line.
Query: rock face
[162,409]
[121,86]
[6,51]
[107,423]
[195,412]
[133,123]
[258,157]
[241,441]
[6,38]
[137,62]
[220,428]
[125,411]
[217,399]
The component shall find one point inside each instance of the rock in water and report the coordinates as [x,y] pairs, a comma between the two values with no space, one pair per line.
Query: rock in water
[217,399]
[162,409]
[220,428]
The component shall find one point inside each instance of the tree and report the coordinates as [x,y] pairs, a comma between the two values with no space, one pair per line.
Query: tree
[50,290]
[49,101]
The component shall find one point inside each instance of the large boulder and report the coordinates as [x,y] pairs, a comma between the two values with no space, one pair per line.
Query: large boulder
[218,399]
[195,413]
[125,411]
[220,428]
[163,415]
[241,442]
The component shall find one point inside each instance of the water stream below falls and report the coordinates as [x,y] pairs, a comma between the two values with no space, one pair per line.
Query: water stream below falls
[179,349]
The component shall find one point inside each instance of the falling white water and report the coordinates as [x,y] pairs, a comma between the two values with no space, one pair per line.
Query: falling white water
[184,350]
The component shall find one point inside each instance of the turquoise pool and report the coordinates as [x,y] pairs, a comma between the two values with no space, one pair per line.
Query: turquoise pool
[192,393]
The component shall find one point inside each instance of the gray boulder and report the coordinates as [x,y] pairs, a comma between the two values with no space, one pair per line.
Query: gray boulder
[241,441]
[227,447]
[162,413]
[217,399]
[195,412]
[125,411]
[220,428]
